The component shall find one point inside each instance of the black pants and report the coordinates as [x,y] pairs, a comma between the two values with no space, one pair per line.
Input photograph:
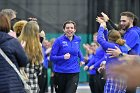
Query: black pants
[43,81]
[52,84]
[66,82]
[95,83]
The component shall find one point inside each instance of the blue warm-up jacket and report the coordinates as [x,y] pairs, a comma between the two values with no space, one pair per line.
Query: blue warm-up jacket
[99,56]
[61,46]
[133,40]
[105,45]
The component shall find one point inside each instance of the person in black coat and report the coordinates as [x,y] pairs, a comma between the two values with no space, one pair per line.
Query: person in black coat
[10,82]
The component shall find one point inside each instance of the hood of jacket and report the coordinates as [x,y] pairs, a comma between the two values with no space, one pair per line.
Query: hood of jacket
[4,37]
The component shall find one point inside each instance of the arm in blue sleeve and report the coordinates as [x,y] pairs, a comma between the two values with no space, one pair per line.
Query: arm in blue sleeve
[54,52]
[80,55]
[45,61]
[91,62]
[132,38]
[97,64]
[101,40]
[106,35]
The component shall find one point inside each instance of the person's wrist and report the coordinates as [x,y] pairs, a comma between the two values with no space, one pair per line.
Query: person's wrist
[106,20]
[121,54]
[103,24]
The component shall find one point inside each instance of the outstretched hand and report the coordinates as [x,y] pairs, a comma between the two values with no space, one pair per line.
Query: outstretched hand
[85,68]
[82,63]
[105,17]
[113,52]
[91,67]
[101,21]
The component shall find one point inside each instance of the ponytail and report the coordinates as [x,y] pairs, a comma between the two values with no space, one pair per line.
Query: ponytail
[120,41]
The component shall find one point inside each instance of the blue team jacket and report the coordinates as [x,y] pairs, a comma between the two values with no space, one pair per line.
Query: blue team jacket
[133,40]
[45,61]
[93,71]
[61,46]
[97,59]
[105,45]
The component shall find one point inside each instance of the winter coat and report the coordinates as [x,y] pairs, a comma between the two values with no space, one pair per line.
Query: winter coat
[9,80]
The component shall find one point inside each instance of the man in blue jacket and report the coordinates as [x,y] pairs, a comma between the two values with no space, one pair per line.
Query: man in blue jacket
[131,36]
[64,55]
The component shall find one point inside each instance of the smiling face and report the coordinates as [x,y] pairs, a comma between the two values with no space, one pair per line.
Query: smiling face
[69,29]
[125,22]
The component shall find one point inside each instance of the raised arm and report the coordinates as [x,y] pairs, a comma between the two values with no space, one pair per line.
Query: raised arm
[109,22]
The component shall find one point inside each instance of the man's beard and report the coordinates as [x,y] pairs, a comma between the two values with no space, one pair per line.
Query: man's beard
[126,27]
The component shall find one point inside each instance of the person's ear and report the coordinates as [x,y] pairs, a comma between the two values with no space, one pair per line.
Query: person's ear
[74,30]
[131,20]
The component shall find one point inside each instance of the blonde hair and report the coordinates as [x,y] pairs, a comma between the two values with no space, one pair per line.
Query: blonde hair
[30,34]
[9,12]
[115,36]
[18,26]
